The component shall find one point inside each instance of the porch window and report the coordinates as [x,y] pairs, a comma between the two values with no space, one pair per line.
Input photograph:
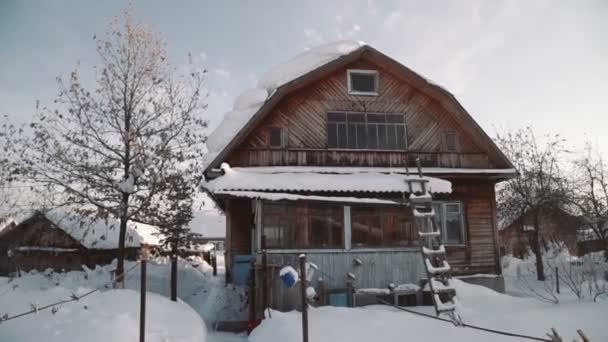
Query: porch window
[303,225]
[380,227]
[449,218]
[375,131]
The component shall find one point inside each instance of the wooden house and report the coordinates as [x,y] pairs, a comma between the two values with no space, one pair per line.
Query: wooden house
[555,226]
[62,242]
[315,160]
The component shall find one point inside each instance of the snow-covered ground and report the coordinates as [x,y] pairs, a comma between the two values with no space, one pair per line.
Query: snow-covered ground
[478,305]
[113,315]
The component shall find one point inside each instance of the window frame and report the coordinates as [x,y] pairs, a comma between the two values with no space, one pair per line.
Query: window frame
[349,85]
[443,226]
[367,124]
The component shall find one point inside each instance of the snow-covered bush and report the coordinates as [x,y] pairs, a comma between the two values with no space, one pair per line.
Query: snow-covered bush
[585,277]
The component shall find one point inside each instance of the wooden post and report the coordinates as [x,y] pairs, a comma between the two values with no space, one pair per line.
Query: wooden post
[304,299]
[252,304]
[350,293]
[142,304]
[557,279]
[214,264]
[265,275]
[322,292]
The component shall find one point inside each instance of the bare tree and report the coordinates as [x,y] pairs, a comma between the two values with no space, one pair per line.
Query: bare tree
[538,189]
[591,194]
[114,148]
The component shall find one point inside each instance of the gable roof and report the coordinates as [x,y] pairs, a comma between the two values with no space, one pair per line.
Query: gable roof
[254,104]
[91,233]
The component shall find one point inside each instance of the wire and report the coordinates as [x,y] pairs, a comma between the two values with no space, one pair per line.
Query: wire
[73,298]
[462,324]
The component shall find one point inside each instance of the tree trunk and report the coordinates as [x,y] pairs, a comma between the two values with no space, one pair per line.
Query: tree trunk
[174,273]
[120,265]
[536,248]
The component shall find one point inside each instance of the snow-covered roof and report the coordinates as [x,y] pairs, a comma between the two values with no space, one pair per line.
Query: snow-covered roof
[250,101]
[96,233]
[356,169]
[276,179]
[100,233]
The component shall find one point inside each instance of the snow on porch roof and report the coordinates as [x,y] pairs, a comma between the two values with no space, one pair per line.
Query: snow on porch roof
[276,179]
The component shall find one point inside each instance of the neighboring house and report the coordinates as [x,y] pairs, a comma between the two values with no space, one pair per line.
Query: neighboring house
[555,226]
[57,240]
[315,159]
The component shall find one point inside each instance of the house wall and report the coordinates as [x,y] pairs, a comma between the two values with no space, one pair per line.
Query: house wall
[302,116]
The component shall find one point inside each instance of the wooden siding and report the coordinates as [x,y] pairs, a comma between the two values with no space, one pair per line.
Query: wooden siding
[302,116]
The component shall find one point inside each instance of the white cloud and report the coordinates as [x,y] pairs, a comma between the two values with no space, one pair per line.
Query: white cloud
[392,20]
[222,72]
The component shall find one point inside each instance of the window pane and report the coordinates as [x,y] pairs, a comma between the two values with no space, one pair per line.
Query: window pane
[362,82]
[327,226]
[372,136]
[395,118]
[453,227]
[376,118]
[366,227]
[391,137]
[336,117]
[275,137]
[382,137]
[332,135]
[279,225]
[450,142]
[356,117]
[397,227]
[341,135]
[400,137]
[352,136]
[361,136]
[452,208]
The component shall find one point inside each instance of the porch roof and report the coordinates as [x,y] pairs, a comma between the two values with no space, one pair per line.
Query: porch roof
[290,179]
[280,196]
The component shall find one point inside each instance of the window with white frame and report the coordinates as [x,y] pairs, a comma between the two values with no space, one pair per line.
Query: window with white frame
[362,82]
[449,218]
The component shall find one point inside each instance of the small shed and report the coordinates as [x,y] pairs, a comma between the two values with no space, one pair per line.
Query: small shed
[59,240]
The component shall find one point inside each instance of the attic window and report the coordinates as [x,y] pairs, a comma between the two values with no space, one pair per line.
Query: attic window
[275,137]
[451,142]
[362,82]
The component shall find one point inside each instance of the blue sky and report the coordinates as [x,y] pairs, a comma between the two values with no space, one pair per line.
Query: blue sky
[510,63]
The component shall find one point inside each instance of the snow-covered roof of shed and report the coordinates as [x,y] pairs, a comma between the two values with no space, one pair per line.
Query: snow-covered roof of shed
[95,233]
[276,179]
[101,233]
[250,101]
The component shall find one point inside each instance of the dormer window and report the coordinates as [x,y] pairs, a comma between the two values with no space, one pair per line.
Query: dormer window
[362,82]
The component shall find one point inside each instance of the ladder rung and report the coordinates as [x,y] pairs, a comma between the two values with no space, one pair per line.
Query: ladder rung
[443,307]
[418,213]
[428,251]
[429,234]
[438,286]
[434,270]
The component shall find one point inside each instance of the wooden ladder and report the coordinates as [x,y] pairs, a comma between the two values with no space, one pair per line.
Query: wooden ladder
[432,250]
